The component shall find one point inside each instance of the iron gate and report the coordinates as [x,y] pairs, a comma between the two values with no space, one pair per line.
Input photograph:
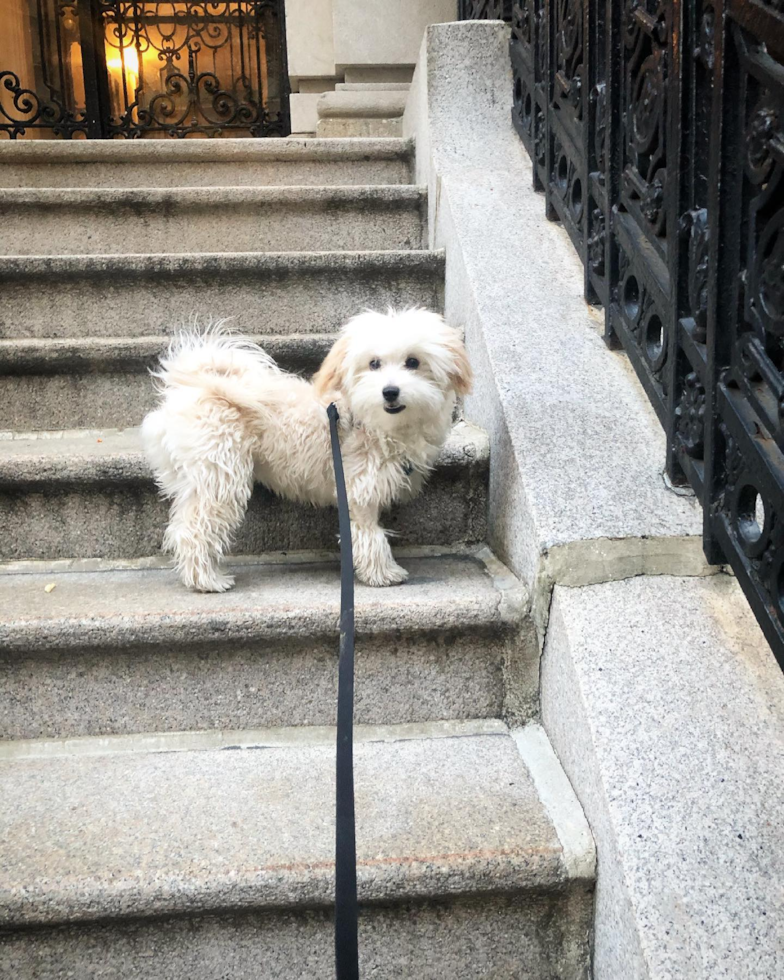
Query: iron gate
[656,132]
[139,68]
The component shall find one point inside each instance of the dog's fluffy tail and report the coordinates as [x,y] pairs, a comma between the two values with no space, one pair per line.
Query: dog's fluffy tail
[219,365]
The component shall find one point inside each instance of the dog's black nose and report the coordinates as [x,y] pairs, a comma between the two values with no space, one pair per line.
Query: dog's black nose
[390,394]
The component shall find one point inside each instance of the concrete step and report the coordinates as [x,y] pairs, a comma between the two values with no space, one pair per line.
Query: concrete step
[46,221]
[474,859]
[90,382]
[203,163]
[117,648]
[90,495]
[65,296]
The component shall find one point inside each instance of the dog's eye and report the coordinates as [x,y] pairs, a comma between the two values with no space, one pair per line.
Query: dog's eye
[412,363]
[375,364]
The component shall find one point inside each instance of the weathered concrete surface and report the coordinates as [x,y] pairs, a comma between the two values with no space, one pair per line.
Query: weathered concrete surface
[596,560]
[46,221]
[374,87]
[203,163]
[442,818]
[274,599]
[131,650]
[361,112]
[578,453]
[145,839]
[264,293]
[369,34]
[310,47]
[252,842]
[559,800]
[91,495]
[302,110]
[378,75]
[493,936]
[365,103]
[67,400]
[105,382]
[353,127]
[259,738]
[666,708]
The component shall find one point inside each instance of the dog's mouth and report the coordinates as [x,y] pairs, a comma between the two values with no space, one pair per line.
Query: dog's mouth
[394,409]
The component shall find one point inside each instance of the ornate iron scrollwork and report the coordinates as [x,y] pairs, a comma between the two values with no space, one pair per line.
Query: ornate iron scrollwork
[569,52]
[765,169]
[644,111]
[567,181]
[485,9]
[208,61]
[690,415]
[22,109]
[597,243]
[696,224]
[153,67]
[754,523]
[44,93]
[599,98]
[523,21]
[705,41]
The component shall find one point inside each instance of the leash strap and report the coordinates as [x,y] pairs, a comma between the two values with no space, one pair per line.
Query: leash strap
[346,912]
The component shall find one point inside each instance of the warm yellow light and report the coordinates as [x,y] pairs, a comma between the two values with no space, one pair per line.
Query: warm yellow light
[131,56]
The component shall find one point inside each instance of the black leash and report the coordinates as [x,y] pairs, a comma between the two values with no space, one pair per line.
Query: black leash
[346,913]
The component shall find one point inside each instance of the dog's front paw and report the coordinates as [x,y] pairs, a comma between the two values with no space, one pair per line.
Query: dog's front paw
[218,582]
[392,574]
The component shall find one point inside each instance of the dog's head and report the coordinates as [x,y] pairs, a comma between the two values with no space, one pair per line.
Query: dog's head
[396,369]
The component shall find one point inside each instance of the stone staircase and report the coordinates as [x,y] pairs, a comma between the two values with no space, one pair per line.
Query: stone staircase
[166,763]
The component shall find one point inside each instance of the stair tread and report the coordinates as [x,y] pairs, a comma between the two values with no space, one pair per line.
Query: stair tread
[13,266]
[70,353]
[77,295]
[154,832]
[230,150]
[153,198]
[88,455]
[138,603]
[217,218]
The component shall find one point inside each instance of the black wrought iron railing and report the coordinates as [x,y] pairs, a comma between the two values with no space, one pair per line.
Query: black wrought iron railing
[137,68]
[656,132]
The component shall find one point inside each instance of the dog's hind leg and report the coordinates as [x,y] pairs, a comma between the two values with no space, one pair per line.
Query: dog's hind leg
[206,511]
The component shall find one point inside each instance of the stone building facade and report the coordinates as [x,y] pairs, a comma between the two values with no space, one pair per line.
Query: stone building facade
[351,61]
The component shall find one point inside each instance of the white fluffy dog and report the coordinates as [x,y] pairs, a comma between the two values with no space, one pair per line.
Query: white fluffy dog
[230,416]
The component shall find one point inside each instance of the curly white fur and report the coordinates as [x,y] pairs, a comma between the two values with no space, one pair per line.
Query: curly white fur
[229,416]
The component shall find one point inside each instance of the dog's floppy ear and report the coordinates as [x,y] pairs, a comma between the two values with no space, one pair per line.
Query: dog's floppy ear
[461,377]
[331,376]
